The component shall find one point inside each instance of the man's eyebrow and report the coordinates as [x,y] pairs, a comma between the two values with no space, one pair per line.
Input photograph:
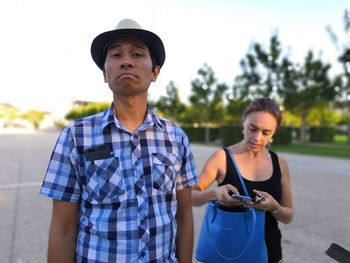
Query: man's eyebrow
[136,45]
[142,46]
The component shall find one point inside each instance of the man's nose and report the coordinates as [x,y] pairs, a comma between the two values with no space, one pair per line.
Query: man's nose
[126,63]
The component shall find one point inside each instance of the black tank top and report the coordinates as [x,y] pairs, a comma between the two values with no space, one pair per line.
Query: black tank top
[271,186]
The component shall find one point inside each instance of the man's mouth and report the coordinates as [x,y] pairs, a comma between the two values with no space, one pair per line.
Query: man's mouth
[126,75]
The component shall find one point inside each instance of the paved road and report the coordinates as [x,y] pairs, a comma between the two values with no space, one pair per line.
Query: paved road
[320,189]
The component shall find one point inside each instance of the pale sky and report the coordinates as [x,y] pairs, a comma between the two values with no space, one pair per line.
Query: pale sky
[45,60]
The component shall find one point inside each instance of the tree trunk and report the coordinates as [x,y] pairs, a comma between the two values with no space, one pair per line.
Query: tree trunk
[303,129]
[303,133]
[349,125]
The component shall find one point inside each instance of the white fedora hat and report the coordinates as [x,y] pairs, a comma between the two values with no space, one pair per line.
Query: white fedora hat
[126,27]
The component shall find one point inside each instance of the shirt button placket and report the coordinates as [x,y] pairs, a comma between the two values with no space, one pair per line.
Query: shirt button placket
[141,195]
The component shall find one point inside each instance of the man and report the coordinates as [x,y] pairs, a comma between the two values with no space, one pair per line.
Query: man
[121,180]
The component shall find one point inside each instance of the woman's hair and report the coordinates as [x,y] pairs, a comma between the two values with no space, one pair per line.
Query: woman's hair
[264,105]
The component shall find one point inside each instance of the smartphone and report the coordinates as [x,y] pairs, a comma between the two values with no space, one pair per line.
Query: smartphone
[242,198]
[258,198]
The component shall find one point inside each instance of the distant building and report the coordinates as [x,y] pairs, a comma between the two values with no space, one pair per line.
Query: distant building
[77,103]
[4,106]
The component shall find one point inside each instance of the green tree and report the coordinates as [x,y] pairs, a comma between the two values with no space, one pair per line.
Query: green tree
[234,110]
[343,100]
[270,73]
[9,114]
[261,74]
[217,105]
[305,87]
[323,115]
[207,105]
[290,119]
[34,117]
[171,106]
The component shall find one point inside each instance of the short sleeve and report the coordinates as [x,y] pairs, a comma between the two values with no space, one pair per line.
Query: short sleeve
[60,182]
[188,176]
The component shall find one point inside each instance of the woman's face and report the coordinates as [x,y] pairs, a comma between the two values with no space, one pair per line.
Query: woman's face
[258,129]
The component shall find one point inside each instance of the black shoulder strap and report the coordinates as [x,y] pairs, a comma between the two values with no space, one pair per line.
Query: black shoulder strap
[276,164]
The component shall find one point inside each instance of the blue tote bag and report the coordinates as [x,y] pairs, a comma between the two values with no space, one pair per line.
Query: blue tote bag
[232,236]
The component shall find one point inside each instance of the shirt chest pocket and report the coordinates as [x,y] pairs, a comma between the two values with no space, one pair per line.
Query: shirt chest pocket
[104,182]
[165,168]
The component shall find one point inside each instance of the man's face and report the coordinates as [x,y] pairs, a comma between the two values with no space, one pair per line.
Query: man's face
[128,67]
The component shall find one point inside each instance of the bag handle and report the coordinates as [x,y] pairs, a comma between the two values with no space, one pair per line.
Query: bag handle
[252,210]
[253,213]
[237,170]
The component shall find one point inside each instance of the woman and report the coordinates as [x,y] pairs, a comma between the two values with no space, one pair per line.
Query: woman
[265,174]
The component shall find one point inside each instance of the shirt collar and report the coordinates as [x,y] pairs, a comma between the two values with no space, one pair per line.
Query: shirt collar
[151,119]
[107,117]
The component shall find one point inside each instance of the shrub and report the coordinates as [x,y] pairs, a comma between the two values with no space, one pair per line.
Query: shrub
[322,134]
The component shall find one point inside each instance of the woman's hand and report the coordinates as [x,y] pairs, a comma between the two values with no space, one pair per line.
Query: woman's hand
[223,195]
[267,202]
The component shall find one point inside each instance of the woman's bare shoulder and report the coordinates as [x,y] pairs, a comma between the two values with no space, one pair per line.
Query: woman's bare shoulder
[283,165]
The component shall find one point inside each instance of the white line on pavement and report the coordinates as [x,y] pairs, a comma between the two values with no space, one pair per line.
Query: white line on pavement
[19,185]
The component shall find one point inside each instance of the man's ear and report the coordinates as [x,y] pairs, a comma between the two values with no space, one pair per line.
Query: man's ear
[155,73]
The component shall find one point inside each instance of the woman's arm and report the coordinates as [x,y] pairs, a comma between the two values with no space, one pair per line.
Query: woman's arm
[282,211]
[214,170]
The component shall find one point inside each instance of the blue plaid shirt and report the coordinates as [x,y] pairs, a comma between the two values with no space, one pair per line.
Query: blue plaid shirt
[127,194]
